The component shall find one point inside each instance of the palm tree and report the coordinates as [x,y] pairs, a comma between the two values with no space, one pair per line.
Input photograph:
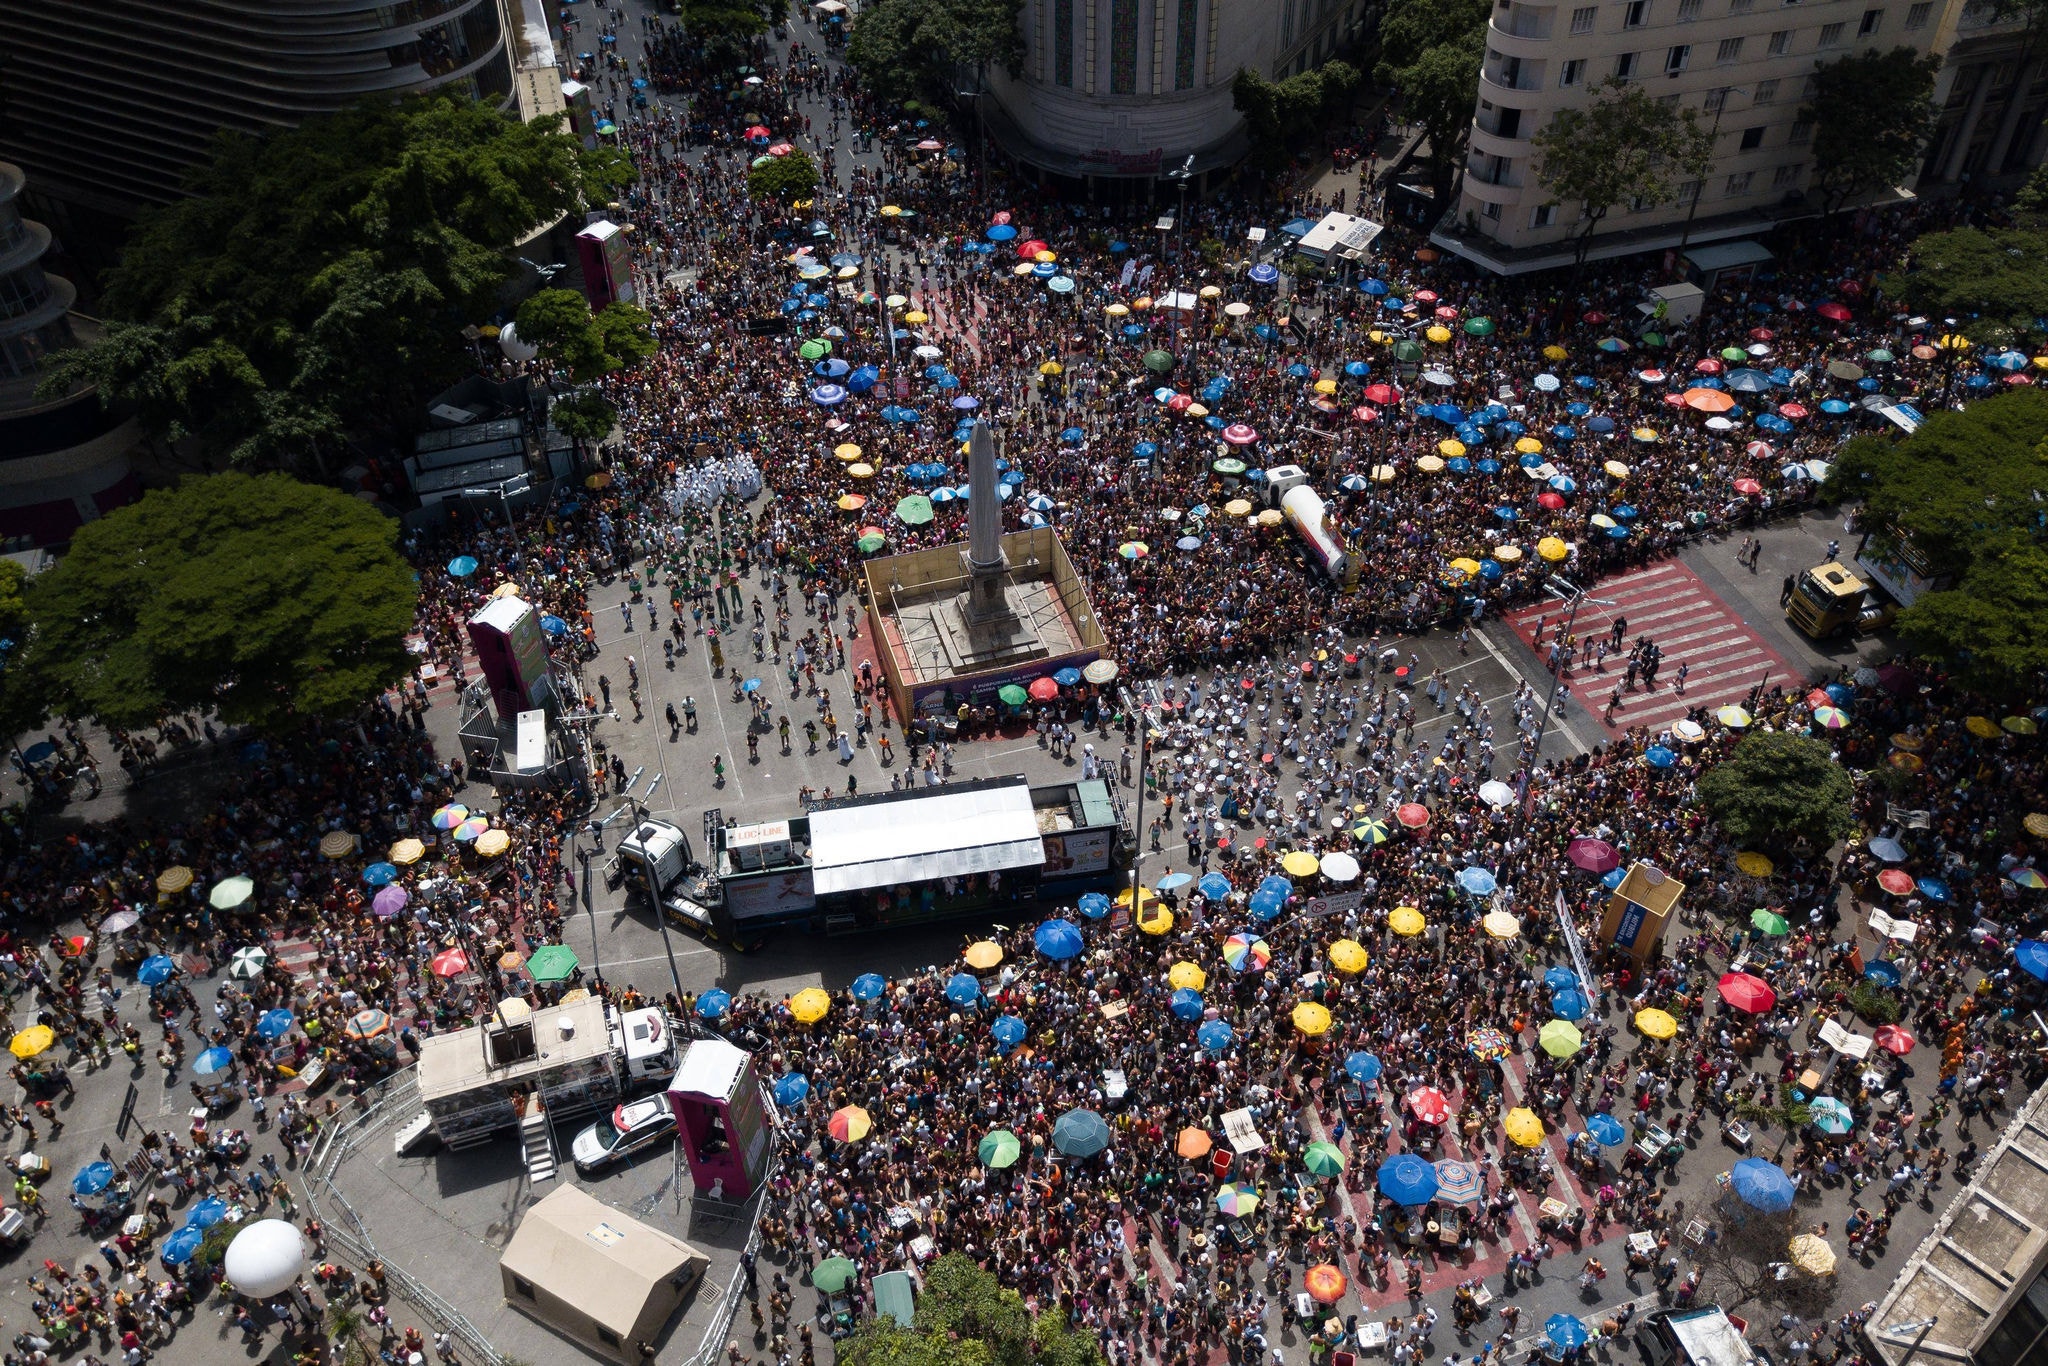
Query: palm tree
[345,1325]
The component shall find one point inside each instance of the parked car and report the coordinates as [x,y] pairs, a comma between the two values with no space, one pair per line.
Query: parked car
[631,1128]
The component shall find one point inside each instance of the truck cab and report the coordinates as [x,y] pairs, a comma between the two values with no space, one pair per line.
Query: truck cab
[1696,1337]
[1827,600]
[646,1039]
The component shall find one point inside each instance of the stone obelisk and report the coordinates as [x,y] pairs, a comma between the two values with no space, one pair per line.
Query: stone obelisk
[988,570]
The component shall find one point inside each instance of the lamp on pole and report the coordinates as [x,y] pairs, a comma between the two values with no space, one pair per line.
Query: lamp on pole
[654,899]
[1720,98]
[1919,1327]
[1139,708]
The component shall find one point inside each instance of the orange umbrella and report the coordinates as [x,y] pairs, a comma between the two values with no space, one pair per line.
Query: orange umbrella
[849,1125]
[1194,1143]
[1326,1284]
[1708,400]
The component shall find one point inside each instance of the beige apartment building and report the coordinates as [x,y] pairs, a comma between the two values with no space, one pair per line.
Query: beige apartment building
[1745,65]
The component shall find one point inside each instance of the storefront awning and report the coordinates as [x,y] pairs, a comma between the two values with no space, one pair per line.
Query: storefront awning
[953,832]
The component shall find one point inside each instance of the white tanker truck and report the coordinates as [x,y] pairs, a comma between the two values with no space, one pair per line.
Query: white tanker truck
[1288,490]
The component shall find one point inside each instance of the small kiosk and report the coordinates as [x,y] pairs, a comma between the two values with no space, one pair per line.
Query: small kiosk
[720,1120]
[1639,909]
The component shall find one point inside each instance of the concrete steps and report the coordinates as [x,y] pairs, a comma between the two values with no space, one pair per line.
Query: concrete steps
[537,1144]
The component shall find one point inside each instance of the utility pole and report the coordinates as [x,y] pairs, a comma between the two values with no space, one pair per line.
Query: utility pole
[654,899]
[1133,707]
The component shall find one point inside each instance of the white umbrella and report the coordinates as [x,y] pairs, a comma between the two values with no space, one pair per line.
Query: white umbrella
[1339,867]
[1494,792]
[1440,378]
[247,963]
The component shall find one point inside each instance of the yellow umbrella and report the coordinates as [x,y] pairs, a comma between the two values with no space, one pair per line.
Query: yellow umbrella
[1211,292]
[1384,474]
[1438,333]
[1429,464]
[1052,367]
[1616,469]
[1157,924]
[407,852]
[34,1040]
[983,955]
[1145,899]
[1755,864]
[1046,257]
[174,879]
[860,469]
[1656,1024]
[511,960]
[809,1005]
[1406,920]
[1983,727]
[1237,507]
[1118,310]
[1186,974]
[337,844]
[1501,925]
[847,451]
[1733,717]
[506,590]
[1195,410]
[1299,863]
[915,316]
[892,211]
[1507,554]
[1552,549]
[852,502]
[1555,352]
[1528,445]
[1326,386]
[2036,823]
[1602,520]
[1523,1127]
[1348,956]
[1141,303]
[1646,435]
[1450,449]
[1811,1254]
[1311,1019]
[492,843]
[1465,565]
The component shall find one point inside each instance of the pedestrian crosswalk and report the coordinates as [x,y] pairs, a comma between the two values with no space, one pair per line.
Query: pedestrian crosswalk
[1722,656]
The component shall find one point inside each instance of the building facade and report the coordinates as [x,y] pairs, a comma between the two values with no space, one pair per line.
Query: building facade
[1130,89]
[1746,65]
[107,103]
[1993,93]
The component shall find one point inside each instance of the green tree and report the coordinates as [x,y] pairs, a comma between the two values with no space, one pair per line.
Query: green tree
[317,280]
[1988,626]
[910,49]
[1996,278]
[1280,115]
[584,345]
[725,25]
[1777,789]
[1624,147]
[259,597]
[783,180]
[584,416]
[1872,113]
[1431,50]
[966,1318]
[1740,1265]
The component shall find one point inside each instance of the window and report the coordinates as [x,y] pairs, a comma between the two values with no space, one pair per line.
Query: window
[1781,42]
[1063,42]
[1490,210]
[1543,216]
[1675,60]
[1729,51]
[1809,87]
[1572,73]
[1715,101]
[1689,193]
[1766,92]
[1123,47]
[1740,6]
[1688,11]
[1802,129]
[1752,138]
[1830,36]
[522,1287]
[1636,14]
[1872,20]
[1738,184]
[1582,19]
[1639,203]
[1625,66]
[1669,101]
[1916,15]
[1788,176]
[1184,47]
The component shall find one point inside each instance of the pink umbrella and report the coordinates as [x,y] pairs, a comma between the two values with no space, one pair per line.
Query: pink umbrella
[1365,412]
[1834,312]
[1759,450]
[1428,1105]
[1795,411]
[1593,855]
[1237,434]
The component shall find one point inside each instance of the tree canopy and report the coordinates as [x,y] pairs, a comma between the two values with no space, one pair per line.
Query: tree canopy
[966,1318]
[1776,789]
[1624,147]
[1872,113]
[256,596]
[909,49]
[1431,50]
[1280,115]
[1994,281]
[783,179]
[318,279]
[583,344]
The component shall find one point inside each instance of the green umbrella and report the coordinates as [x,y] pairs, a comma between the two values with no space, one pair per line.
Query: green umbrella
[1407,350]
[761,161]
[1769,921]
[1000,1149]
[1323,1159]
[1651,339]
[1734,353]
[869,544]
[1229,464]
[552,963]
[230,893]
[1013,694]
[1881,356]
[1159,361]
[833,1275]
[915,510]
[817,348]
[1560,1038]
[1479,327]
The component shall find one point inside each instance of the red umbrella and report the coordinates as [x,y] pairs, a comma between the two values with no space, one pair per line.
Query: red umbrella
[1308,668]
[780,149]
[1001,218]
[1709,366]
[1675,400]
[1247,685]
[1414,815]
[1760,450]
[1425,296]
[1238,434]
[1447,313]
[1895,1039]
[1366,413]
[1028,251]
[1897,881]
[1651,376]
[1852,288]
[1834,312]
[1795,411]
[1428,1105]
[1382,393]
[1595,856]
[1747,993]
[1762,334]
[1044,689]
[1180,403]
[757,131]
[1820,697]
[450,963]
[1748,487]
[1596,317]
[1550,498]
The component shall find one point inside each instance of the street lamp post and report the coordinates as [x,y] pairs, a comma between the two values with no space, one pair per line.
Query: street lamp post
[654,899]
[1562,590]
[1133,707]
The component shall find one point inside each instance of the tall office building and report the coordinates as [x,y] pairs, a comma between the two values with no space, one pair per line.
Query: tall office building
[1130,89]
[106,103]
[1746,65]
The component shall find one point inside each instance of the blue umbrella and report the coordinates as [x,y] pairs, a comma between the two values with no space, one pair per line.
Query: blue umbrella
[1058,940]
[1625,512]
[1570,1004]
[1067,677]
[1458,464]
[863,379]
[1267,905]
[1564,483]
[1080,1133]
[1830,1115]
[1478,881]
[1565,1332]
[1009,1031]
[1933,888]
[1882,971]
[1262,273]
[713,1004]
[962,989]
[1186,1004]
[1094,905]
[554,626]
[1376,288]
[1834,407]
[155,970]
[1890,850]
[1617,533]
[966,403]
[206,1213]
[1073,435]
[832,367]
[1607,1131]
[1761,1185]
[1362,1067]
[1564,433]
[1394,302]
[275,1024]
[1001,232]
[1215,886]
[828,395]
[1406,1179]
[790,1089]
[1600,425]
[1659,757]
[1585,381]
[212,1062]
[1560,979]
[1145,450]
[1216,1036]
[1578,409]
[381,874]
[1358,369]
[1748,381]
[180,1247]
[462,566]
[1612,878]
[869,986]
[1297,371]
[93,1178]
[2032,956]
[1275,882]
[1173,882]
